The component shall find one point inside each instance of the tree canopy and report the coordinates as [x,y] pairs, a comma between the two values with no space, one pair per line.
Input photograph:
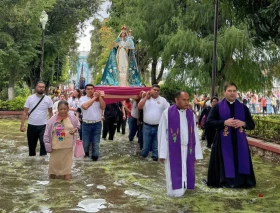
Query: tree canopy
[20,39]
[178,35]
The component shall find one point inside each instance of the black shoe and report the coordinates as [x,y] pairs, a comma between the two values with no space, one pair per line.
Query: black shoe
[155,158]
[94,158]
[86,155]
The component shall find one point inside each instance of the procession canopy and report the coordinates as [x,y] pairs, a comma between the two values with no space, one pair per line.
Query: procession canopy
[115,94]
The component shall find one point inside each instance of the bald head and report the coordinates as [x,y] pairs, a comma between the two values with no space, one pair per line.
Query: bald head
[182,100]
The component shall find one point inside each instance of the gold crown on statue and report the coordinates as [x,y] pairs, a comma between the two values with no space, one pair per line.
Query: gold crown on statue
[123,28]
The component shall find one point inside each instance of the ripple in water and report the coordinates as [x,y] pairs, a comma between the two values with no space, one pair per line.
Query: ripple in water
[137,194]
[101,187]
[91,205]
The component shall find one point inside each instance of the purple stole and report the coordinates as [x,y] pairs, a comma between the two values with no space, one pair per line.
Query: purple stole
[226,143]
[174,142]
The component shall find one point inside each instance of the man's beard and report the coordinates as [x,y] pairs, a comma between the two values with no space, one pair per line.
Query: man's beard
[40,92]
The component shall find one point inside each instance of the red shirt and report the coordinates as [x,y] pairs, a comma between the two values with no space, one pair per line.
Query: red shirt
[263,102]
[127,104]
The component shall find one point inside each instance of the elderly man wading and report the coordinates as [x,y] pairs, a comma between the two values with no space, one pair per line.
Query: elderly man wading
[179,146]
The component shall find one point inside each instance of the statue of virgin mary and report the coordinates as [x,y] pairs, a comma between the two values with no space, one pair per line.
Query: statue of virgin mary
[117,71]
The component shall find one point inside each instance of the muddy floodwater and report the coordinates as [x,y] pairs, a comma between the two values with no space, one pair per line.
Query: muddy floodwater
[121,181]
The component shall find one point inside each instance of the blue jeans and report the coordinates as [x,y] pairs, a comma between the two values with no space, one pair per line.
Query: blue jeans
[269,108]
[140,135]
[133,127]
[254,108]
[91,133]
[150,140]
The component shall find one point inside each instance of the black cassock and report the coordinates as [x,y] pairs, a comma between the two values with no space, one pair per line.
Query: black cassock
[216,173]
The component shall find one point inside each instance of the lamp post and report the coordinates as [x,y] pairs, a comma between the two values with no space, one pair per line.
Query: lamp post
[214,59]
[43,19]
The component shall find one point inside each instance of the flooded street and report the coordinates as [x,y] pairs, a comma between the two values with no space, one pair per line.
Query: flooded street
[121,181]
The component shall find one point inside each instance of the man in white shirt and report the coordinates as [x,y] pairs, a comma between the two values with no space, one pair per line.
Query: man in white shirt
[179,146]
[91,126]
[37,118]
[153,106]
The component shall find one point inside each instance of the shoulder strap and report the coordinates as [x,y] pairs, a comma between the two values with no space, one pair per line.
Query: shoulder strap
[36,105]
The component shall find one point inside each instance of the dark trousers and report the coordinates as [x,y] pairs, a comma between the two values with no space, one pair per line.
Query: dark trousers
[81,131]
[140,135]
[133,128]
[33,134]
[109,125]
[121,124]
[274,109]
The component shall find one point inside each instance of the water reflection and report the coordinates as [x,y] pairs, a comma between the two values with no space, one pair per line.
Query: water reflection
[120,182]
[91,205]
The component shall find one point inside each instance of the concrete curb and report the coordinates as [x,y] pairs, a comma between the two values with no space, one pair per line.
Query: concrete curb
[266,150]
[264,145]
[10,114]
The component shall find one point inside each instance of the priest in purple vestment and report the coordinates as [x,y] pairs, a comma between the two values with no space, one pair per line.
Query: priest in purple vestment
[179,146]
[230,161]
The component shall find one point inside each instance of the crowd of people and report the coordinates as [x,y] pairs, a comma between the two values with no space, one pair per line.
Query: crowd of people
[268,103]
[170,133]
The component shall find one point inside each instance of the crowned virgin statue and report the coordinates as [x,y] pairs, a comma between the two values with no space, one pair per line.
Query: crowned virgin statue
[121,67]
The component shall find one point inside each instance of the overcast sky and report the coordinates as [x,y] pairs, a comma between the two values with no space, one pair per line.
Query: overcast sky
[84,39]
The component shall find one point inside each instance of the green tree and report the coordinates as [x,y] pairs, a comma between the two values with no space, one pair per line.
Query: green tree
[102,42]
[191,45]
[96,47]
[19,36]
[179,35]
[262,17]
[66,20]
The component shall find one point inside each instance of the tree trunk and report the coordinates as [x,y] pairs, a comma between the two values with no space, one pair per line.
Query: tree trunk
[32,80]
[47,87]
[154,71]
[160,73]
[11,87]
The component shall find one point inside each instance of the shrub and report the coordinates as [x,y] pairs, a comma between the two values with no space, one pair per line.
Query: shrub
[15,104]
[4,105]
[273,118]
[266,127]
[22,92]
[168,92]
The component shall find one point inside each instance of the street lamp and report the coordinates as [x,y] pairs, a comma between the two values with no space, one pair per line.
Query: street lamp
[43,19]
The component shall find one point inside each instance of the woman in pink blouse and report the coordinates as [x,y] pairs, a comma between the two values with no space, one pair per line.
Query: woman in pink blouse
[59,139]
